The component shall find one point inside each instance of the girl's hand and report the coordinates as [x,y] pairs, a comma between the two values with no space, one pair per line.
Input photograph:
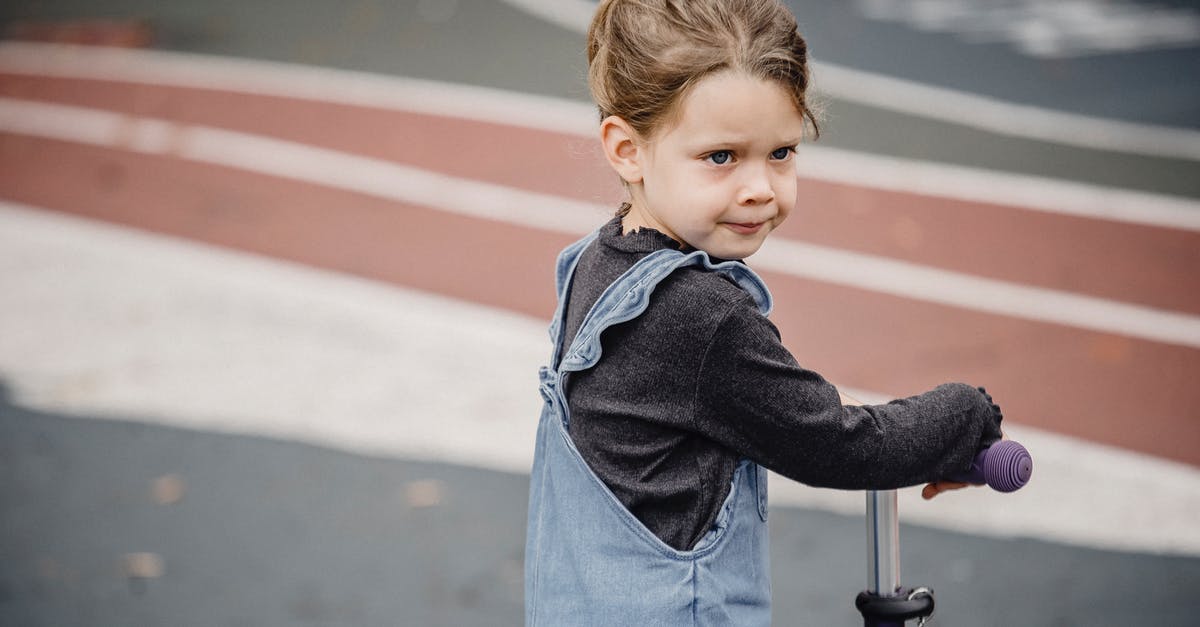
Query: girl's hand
[933,489]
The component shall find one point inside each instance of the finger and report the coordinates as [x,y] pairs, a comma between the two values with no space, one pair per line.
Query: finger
[933,489]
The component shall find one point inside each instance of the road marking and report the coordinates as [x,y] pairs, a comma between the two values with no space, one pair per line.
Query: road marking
[213,339]
[1005,118]
[949,105]
[578,119]
[410,185]
[956,289]
[1048,29]
[1029,192]
[287,80]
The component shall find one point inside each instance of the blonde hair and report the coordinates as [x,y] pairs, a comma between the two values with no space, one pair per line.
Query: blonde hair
[644,55]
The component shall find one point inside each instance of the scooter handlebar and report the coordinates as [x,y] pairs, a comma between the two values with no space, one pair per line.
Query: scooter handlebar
[1004,466]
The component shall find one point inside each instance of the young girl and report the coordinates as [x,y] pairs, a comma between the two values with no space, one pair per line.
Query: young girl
[669,391]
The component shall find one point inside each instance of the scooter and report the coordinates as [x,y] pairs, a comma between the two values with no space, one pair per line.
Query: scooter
[1004,466]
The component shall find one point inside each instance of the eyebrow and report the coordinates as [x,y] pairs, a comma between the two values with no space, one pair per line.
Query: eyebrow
[717,143]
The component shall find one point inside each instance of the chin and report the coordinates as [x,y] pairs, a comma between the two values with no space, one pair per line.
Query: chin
[735,252]
[727,246]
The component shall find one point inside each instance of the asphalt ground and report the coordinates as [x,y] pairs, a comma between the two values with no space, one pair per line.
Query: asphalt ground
[252,531]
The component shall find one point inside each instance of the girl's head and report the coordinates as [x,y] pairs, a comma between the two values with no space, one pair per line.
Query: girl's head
[643,55]
[702,103]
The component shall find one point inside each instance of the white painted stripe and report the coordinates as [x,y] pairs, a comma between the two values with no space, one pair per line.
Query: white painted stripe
[949,105]
[286,80]
[275,157]
[1098,475]
[208,338]
[579,119]
[1049,30]
[1074,484]
[1005,118]
[909,280]
[991,187]
[411,185]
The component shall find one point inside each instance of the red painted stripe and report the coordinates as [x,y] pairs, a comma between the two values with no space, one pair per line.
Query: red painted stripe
[1146,265]
[1125,392]
[1134,263]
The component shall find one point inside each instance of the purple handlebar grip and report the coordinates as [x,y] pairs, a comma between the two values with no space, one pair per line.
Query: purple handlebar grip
[1005,466]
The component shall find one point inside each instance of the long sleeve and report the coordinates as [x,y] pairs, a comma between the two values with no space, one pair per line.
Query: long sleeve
[754,398]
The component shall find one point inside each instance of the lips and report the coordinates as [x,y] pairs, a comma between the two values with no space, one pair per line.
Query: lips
[744,228]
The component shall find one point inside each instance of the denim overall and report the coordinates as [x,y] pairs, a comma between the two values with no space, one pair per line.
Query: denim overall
[588,560]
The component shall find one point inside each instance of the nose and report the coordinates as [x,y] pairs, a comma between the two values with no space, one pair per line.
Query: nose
[755,188]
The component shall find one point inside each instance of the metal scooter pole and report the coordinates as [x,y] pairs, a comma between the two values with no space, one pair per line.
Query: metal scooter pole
[885,603]
[883,543]
[1004,466]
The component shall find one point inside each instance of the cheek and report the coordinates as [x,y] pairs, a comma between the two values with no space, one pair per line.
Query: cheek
[676,187]
[660,181]
[786,198]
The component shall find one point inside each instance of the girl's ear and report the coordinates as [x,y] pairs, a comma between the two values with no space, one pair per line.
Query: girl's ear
[621,148]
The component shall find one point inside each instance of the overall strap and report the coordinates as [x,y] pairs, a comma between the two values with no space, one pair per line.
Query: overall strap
[628,296]
[568,259]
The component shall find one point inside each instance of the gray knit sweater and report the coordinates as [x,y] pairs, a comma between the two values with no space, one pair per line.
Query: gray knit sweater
[701,380]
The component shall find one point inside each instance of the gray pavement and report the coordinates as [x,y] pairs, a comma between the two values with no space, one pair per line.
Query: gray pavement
[251,531]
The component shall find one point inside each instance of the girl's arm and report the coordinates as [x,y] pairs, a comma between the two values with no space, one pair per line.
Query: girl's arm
[754,398]
[931,489]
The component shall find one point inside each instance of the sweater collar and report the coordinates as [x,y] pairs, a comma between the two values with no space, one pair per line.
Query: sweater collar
[643,240]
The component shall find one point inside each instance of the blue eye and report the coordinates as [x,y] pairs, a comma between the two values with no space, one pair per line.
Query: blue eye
[782,153]
[721,157]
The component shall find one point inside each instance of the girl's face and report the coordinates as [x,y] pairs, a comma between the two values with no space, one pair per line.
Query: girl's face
[721,175]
